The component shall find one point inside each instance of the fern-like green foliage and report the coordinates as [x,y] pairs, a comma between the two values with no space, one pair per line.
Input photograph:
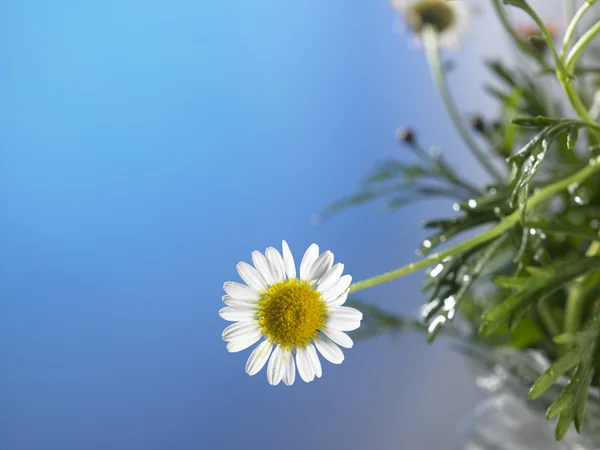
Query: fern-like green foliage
[535,284]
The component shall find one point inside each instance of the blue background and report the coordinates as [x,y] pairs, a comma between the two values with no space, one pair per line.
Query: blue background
[148,146]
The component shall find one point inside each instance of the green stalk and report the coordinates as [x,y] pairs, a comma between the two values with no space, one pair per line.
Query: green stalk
[572,28]
[432,52]
[579,291]
[508,222]
[548,319]
[579,294]
[571,61]
[515,37]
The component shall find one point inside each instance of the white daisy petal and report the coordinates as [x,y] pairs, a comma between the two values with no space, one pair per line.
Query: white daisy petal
[308,259]
[343,325]
[339,337]
[321,280]
[243,342]
[330,277]
[337,288]
[417,18]
[258,357]
[289,368]
[303,363]
[288,260]
[345,313]
[275,367]
[313,358]
[241,291]
[330,351]
[238,302]
[338,301]
[275,262]
[236,314]
[321,265]
[251,276]
[238,329]
[260,263]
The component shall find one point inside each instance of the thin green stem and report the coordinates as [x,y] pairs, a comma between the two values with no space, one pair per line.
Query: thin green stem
[548,319]
[580,45]
[547,36]
[432,52]
[508,222]
[579,293]
[572,28]
[522,45]
[566,80]
[580,290]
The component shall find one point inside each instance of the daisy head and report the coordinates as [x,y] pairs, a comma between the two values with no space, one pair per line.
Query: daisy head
[449,18]
[294,316]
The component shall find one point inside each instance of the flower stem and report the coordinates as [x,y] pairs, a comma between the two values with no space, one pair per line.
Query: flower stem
[566,80]
[579,293]
[572,28]
[508,222]
[580,289]
[551,324]
[432,52]
[517,40]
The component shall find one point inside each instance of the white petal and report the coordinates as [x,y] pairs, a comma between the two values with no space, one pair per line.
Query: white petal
[239,290]
[275,262]
[239,302]
[330,351]
[337,288]
[243,342]
[330,277]
[251,276]
[308,259]
[289,368]
[236,314]
[275,367]
[339,301]
[339,337]
[321,265]
[345,313]
[238,329]
[343,324]
[288,260]
[314,361]
[258,357]
[260,262]
[303,363]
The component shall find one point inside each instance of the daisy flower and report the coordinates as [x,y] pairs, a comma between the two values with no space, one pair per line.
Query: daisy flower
[449,18]
[295,316]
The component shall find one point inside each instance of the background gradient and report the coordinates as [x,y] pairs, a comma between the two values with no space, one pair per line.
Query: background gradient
[148,146]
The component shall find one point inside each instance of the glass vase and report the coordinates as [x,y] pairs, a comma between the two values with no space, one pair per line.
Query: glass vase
[506,418]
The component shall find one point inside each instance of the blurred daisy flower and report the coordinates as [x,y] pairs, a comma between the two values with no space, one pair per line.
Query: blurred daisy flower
[449,18]
[296,316]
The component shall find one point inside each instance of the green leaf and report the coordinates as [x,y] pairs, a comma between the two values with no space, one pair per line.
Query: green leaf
[520,283]
[571,403]
[549,280]
[572,136]
[535,122]
[501,71]
[526,334]
[549,377]
[562,227]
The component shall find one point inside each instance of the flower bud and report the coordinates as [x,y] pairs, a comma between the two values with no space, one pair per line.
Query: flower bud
[406,136]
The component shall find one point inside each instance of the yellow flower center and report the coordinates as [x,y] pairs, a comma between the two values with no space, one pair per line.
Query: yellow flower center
[434,13]
[290,313]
